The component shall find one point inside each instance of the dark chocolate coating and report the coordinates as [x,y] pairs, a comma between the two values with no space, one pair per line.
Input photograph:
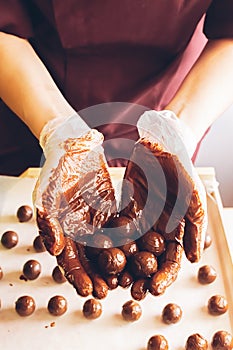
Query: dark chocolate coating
[32,269]
[24,213]
[152,242]
[143,264]
[157,342]
[92,309]
[196,342]
[171,313]
[217,305]
[25,305]
[222,340]
[131,311]
[58,276]
[38,244]
[112,261]
[57,305]
[9,239]
[206,274]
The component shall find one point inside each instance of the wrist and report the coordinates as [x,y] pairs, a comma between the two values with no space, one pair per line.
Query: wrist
[61,128]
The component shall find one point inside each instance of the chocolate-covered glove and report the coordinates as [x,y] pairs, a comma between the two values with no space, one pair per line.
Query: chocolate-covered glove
[74,196]
[163,193]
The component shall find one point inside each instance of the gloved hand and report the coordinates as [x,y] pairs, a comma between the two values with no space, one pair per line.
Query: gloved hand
[162,192]
[74,196]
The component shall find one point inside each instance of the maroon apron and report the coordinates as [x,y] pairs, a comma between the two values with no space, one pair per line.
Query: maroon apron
[111,62]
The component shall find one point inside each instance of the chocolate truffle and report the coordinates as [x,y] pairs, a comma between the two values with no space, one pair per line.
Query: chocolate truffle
[97,243]
[112,261]
[196,342]
[171,313]
[9,239]
[58,276]
[112,281]
[208,241]
[153,242]
[217,305]
[206,274]
[131,311]
[222,340]
[139,289]
[25,305]
[57,305]
[128,247]
[157,342]
[143,264]
[124,226]
[38,244]
[92,309]
[31,269]
[24,213]
[125,279]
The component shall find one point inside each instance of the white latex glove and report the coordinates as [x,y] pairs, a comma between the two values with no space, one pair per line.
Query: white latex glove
[168,196]
[74,194]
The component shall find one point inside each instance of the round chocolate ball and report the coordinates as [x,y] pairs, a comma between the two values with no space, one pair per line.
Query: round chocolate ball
[57,305]
[217,305]
[25,305]
[171,313]
[139,289]
[112,281]
[196,342]
[38,244]
[207,241]
[128,247]
[222,340]
[153,242]
[125,279]
[112,261]
[58,275]
[31,269]
[206,274]
[92,309]
[98,243]
[157,342]
[131,311]
[24,213]
[124,226]
[143,264]
[9,239]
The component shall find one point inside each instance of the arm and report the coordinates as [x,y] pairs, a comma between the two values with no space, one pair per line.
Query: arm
[27,87]
[207,90]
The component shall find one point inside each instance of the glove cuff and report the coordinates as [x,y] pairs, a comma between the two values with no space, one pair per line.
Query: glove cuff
[168,130]
[60,129]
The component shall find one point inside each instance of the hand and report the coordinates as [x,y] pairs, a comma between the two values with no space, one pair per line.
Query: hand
[74,195]
[163,193]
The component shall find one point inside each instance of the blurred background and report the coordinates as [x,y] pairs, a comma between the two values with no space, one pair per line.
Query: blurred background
[217,151]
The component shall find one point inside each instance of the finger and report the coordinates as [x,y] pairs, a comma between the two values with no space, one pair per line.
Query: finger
[194,229]
[168,271]
[51,233]
[74,271]
[100,287]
